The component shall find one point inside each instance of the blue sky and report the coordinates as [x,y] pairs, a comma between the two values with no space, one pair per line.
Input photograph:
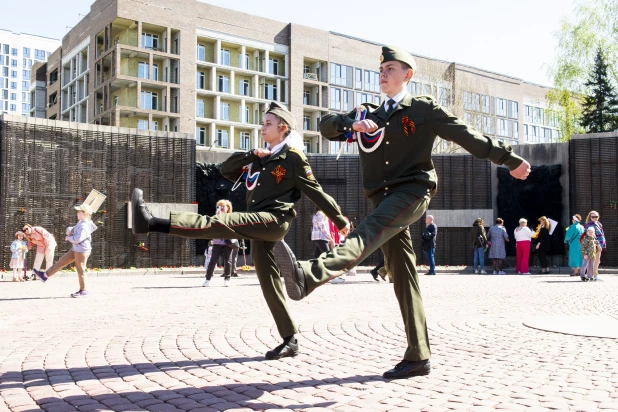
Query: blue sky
[508,37]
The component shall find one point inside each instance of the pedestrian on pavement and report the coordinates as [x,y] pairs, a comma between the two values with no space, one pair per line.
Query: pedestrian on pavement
[542,246]
[395,143]
[275,178]
[572,239]
[223,247]
[19,248]
[479,244]
[590,248]
[429,243]
[339,240]
[80,236]
[592,220]
[320,233]
[523,240]
[496,239]
[45,245]
[376,270]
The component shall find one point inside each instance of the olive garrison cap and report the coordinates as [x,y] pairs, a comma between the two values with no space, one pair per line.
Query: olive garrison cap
[278,110]
[391,53]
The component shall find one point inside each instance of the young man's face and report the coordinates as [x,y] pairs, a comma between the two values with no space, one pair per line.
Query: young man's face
[393,77]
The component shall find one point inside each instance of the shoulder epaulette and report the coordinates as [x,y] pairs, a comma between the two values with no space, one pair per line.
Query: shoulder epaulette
[298,152]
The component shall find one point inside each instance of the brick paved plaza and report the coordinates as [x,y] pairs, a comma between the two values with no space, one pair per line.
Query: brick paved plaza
[162,343]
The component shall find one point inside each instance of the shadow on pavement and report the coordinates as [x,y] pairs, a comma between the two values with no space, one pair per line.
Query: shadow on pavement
[92,388]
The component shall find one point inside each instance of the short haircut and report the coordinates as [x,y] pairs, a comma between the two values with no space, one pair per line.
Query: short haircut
[499,221]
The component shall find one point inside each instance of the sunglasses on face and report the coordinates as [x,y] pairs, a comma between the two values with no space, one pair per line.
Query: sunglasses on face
[594,217]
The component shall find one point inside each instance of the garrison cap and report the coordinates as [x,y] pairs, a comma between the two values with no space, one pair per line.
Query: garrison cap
[278,110]
[391,53]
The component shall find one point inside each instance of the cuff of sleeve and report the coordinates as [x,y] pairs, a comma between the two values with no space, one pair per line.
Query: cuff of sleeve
[340,222]
[513,161]
[346,126]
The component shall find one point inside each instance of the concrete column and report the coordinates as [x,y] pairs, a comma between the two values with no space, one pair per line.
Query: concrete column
[231,138]
[213,79]
[138,90]
[211,134]
[168,40]
[232,80]
[243,104]
[150,62]
[286,62]
[255,138]
[149,121]
[266,65]
[139,34]
[218,107]
[286,95]
[243,51]
[279,91]
[218,52]
[256,86]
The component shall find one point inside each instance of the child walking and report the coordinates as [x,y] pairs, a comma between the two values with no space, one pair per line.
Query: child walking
[81,237]
[19,248]
[589,250]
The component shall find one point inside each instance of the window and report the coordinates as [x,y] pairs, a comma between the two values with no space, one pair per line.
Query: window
[26,52]
[224,84]
[224,111]
[488,124]
[527,114]
[306,97]
[526,132]
[224,57]
[25,107]
[372,81]
[14,74]
[270,91]
[502,128]
[13,52]
[246,114]
[367,98]
[201,53]
[335,98]
[273,66]
[546,135]
[199,108]
[6,49]
[12,108]
[245,140]
[443,96]
[155,72]
[222,137]
[243,87]
[150,41]
[341,75]
[246,61]
[486,104]
[307,144]
[39,54]
[25,63]
[306,122]
[150,101]
[348,100]
[142,124]
[26,74]
[200,136]
[53,77]
[501,109]
[537,115]
[516,129]
[200,82]
[477,122]
[13,85]
[467,118]
[13,96]
[535,133]
[25,85]
[513,109]
[155,125]
[413,88]
[427,89]
[13,63]
[358,79]
[142,70]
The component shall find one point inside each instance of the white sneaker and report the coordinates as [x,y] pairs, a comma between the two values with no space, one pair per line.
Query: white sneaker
[527,273]
[476,271]
[337,280]
[502,272]
[226,283]
[206,282]
[495,273]
[483,272]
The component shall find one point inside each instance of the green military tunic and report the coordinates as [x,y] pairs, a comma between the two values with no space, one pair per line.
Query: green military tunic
[274,184]
[399,178]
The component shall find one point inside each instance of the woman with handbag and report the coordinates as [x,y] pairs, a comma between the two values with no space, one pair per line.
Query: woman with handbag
[571,238]
[223,247]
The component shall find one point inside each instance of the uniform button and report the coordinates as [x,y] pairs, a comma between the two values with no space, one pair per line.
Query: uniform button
[387,162]
[386,188]
[258,184]
[388,142]
[387,123]
[253,201]
[263,168]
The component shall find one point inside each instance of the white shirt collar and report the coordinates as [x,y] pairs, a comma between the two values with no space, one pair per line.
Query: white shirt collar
[398,97]
[277,148]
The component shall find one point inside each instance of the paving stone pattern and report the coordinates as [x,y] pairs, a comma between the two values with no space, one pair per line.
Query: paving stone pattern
[163,343]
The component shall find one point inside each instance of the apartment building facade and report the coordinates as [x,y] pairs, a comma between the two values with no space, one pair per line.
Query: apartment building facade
[18,53]
[190,67]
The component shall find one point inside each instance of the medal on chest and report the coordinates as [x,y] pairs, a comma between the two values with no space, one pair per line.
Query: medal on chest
[368,142]
[249,178]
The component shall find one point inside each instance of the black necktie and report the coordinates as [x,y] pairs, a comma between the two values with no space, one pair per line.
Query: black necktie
[391,106]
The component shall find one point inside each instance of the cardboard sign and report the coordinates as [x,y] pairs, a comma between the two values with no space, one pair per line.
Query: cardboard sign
[95,199]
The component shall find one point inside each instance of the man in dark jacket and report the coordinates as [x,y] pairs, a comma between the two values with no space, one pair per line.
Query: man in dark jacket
[429,243]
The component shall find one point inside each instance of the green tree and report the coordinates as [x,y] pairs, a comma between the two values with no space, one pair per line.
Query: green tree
[600,105]
[594,26]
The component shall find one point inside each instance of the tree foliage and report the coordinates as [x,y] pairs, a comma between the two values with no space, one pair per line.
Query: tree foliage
[594,26]
[600,105]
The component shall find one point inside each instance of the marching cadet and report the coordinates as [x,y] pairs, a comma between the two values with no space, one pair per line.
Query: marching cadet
[395,141]
[275,177]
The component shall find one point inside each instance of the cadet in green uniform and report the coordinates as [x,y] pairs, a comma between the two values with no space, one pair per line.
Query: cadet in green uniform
[395,141]
[275,178]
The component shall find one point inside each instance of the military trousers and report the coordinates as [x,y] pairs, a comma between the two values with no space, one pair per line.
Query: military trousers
[264,229]
[387,227]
